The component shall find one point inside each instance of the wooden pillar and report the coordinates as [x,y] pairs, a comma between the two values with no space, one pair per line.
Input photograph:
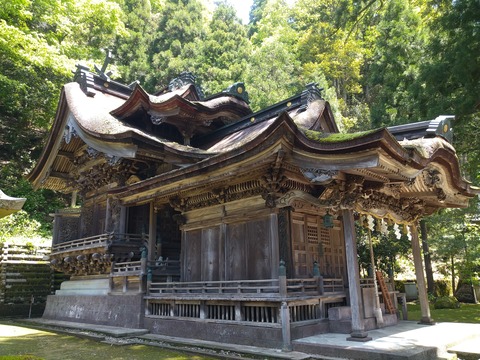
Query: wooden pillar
[377,310]
[286,334]
[108,217]
[73,201]
[274,244]
[152,232]
[358,328]
[422,290]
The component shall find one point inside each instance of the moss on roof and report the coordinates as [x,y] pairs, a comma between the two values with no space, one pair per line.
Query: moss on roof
[335,137]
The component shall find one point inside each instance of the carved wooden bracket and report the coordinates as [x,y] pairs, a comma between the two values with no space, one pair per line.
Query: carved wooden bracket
[351,194]
[83,264]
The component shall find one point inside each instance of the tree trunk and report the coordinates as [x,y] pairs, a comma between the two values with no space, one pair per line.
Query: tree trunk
[453,273]
[427,259]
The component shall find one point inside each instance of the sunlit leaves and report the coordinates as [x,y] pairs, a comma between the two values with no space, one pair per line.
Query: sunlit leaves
[225,50]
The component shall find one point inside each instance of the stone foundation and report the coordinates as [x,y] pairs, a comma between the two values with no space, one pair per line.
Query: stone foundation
[241,334]
[112,310]
[340,320]
[82,286]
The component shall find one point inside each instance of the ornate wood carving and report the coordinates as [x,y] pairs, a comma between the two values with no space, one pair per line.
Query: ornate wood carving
[68,228]
[87,220]
[83,264]
[351,194]
[319,176]
[432,180]
[114,208]
[273,181]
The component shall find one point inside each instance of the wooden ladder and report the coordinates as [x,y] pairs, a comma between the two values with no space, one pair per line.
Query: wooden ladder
[386,296]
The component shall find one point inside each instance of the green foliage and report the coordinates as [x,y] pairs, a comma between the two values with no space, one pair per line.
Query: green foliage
[225,50]
[175,47]
[442,288]
[387,249]
[269,71]
[256,14]
[446,302]
[467,313]
[335,138]
[18,225]
[381,63]
[455,243]
[132,49]
[37,207]
[399,45]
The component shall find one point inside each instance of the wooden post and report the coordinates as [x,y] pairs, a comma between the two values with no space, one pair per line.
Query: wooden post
[377,310]
[238,311]
[318,277]
[73,202]
[358,328]
[111,283]
[152,232]
[286,334]
[282,279]
[422,290]
[149,281]
[144,270]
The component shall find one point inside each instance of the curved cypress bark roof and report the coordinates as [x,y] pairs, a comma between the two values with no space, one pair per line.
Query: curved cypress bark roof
[368,171]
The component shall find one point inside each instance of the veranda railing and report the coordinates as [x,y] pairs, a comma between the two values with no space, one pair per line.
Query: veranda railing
[101,240]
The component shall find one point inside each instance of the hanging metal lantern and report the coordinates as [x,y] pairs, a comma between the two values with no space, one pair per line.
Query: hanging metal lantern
[328,221]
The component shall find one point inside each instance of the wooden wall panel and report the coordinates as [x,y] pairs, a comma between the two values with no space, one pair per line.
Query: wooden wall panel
[211,254]
[312,242]
[299,246]
[192,269]
[235,252]
[259,249]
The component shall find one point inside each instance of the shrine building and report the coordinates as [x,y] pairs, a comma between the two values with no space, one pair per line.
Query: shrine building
[194,217]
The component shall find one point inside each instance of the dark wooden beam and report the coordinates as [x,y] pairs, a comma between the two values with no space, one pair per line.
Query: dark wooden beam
[66,154]
[60,175]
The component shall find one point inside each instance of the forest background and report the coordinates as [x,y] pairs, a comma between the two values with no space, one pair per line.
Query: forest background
[380,62]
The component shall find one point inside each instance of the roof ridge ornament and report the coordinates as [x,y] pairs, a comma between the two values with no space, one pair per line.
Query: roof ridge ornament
[311,93]
[101,72]
[238,90]
[90,82]
[185,78]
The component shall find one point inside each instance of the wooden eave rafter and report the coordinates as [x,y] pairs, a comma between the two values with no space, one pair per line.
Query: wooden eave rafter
[380,156]
[406,163]
[229,165]
[54,141]
[111,144]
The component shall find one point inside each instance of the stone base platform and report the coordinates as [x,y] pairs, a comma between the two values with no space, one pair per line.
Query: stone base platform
[112,310]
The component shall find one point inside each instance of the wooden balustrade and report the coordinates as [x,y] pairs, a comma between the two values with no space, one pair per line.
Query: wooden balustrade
[215,287]
[128,268]
[267,288]
[333,285]
[101,240]
[84,243]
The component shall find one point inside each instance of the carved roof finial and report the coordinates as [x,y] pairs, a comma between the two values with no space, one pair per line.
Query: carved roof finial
[101,72]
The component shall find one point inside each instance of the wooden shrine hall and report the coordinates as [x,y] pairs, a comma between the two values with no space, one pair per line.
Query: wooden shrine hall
[193,217]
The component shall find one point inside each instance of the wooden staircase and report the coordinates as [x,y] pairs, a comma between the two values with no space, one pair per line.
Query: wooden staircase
[386,295]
